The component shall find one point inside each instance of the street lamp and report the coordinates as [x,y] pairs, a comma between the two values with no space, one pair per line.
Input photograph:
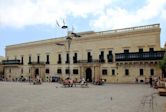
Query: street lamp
[69,39]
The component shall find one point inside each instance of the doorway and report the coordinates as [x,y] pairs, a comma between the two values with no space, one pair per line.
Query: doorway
[88,75]
[36,72]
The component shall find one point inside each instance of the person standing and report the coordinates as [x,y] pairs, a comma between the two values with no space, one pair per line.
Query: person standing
[151,81]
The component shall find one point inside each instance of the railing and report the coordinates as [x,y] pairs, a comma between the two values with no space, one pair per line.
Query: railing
[137,56]
[86,61]
[59,62]
[37,63]
[10,62]
[130,29]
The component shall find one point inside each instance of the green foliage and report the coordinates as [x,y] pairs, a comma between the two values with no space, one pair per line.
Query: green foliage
[162,63]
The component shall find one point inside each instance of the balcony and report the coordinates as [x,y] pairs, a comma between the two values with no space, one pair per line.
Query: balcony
[87,61]
[37,63]
[59,62]
[138,56]
[11,62]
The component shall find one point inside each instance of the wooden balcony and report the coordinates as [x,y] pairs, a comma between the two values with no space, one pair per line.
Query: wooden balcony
[11,62]
[139,56]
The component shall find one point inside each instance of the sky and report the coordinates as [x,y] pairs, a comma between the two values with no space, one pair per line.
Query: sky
[32,20]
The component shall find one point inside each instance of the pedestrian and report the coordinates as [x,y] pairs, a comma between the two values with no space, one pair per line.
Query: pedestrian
[136,80]
[151,81]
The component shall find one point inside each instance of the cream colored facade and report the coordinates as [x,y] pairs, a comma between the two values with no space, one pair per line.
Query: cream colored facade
[90,44]
[1,66]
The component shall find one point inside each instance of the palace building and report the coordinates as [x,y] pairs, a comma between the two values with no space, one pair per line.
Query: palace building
[118,56]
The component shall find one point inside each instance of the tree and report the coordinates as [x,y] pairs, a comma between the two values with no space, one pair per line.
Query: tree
[162,65]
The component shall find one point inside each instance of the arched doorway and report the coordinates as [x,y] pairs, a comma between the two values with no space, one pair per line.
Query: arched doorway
[36,72]
[88,75]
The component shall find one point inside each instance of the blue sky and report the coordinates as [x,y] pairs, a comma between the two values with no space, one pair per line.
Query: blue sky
[30,20]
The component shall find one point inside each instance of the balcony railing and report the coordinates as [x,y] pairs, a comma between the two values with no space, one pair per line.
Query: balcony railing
[59,62]
[86,61]
[138,56]
[37,63]
[10,62]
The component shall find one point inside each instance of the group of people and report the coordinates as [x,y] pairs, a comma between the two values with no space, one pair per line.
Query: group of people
[153,81]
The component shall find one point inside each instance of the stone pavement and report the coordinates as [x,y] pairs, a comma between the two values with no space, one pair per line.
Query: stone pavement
[52,97]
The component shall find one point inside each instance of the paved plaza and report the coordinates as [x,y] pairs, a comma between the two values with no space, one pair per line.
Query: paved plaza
[52,97]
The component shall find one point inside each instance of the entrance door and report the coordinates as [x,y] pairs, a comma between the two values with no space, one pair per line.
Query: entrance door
[36,72]
[88,75]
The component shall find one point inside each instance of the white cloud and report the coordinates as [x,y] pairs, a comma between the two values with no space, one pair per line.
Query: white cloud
[20,13]
[118,17]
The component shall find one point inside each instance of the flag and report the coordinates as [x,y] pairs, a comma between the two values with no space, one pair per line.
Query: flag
[57,23]
[63,22]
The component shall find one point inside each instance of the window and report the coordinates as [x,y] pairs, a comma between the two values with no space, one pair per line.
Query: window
[38,59]
[67,71]
[29,60]
[47,70]
[126,72]
[67,58]
[59,59]
[75,71]
[113,71]
[141,71]
[141,50]
[89,57]
[59,71]
[47,59]
[75,58]
[104,71]
[36,71]
[22,60]
[110,56]
[126,51]
[151,72]
[151,49]
[29,70]
[101,57]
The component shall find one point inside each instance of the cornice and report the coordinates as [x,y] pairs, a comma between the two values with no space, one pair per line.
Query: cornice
[111,34]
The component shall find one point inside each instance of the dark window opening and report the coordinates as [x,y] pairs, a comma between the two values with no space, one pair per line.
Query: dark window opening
[126,72]
[141,72]
[110,56]
[67,71]
[126,51]
[141,50]
[67,58]
[38,59]
[22,60]
[37,71]
[59,71]
[75,71]
[75,58]
[113,72]
[29,60]
[47,70]
[101,57]
[89,57]
[151,72]
[47,59]
[59,59]
[104,71]
[151,49]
